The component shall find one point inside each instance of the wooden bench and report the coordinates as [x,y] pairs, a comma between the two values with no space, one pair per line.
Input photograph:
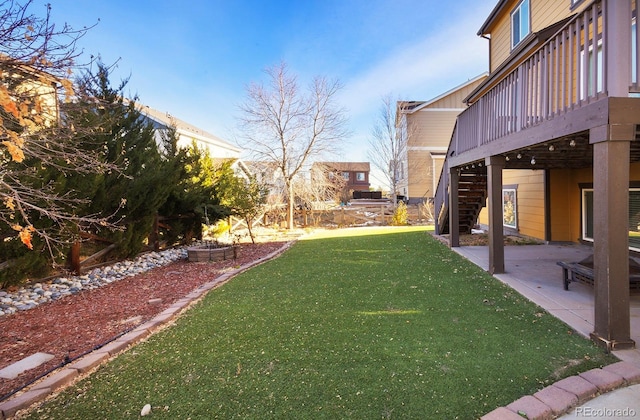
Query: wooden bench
[582,271]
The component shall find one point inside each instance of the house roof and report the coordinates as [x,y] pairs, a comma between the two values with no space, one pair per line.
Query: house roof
[410,107]
[497,10]
[347,166]
[183,128]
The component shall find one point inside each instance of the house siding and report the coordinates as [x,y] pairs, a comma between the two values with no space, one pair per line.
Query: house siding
[565,214]
[565,218]
[565,196]
[431,128]
[454,100]
[500,41]
[434,125]
[530,201]
[543,14]
[531,211]
[421,165]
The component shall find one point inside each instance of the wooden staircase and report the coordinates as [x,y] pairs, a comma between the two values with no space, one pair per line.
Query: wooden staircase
[472,197]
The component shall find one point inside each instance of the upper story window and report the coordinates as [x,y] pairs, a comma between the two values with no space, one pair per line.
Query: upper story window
[520,23]
[360,176]
[345,175]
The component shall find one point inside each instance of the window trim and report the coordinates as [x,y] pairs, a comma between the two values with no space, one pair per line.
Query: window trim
[584,188]
[575,3]
[518,10]
[585,88]
[510,189]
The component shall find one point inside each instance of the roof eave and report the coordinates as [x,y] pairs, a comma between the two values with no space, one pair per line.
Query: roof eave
[425,104]
[497,10]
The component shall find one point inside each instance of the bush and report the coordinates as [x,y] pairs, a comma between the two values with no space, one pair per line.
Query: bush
[21,263]
[400,215]
[217,230]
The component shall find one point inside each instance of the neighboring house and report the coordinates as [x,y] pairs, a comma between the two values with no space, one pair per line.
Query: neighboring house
[33,93]
[268,174]
[550,142]
[187,134]
[29,104]
[354,176]
[429,127]
[219,150]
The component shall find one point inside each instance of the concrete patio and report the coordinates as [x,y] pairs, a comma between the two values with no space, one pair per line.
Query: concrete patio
[532,271]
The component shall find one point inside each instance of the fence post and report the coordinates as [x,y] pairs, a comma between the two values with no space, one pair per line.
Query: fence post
[154,238]
[74,258]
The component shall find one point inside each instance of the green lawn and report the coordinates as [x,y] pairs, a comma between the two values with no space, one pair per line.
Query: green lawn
[363,324]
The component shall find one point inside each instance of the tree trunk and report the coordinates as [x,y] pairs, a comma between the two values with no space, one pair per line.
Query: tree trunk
[290,211]
[249,221]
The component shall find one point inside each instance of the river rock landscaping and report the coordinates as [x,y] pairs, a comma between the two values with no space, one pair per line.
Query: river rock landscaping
[30,296]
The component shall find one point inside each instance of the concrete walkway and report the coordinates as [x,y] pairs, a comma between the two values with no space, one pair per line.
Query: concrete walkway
[606,393]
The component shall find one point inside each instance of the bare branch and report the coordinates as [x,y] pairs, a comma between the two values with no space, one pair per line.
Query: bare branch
[287,127]
[389,145]
[36,60]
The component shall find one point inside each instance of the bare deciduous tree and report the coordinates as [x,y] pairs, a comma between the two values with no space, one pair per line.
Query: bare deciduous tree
[288,126]
[36,61]
[388,146]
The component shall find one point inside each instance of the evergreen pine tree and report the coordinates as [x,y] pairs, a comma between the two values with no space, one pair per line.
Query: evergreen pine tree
[140,187]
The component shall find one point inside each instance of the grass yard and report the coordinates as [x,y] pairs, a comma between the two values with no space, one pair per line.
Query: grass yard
[365,324]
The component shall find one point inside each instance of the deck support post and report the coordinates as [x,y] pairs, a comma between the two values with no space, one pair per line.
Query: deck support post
[611,157]
[495,165]
[454,212]
[612,326]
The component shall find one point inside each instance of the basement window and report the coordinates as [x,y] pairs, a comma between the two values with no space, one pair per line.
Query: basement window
[634,217]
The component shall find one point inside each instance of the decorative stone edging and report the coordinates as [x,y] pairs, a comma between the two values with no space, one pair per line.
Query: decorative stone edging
[568,393]
[67,375]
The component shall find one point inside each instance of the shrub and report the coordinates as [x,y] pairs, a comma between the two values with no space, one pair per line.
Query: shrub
[400,215]
[215,231]
[21,263]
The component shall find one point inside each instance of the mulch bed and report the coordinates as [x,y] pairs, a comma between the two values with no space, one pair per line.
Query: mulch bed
[74,325]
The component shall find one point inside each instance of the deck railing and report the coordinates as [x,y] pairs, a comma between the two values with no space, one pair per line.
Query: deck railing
[567,72]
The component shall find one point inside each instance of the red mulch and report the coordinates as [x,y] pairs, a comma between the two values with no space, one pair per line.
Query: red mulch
[76,324]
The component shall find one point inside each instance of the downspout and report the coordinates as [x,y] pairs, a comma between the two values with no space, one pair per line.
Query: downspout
[488,39]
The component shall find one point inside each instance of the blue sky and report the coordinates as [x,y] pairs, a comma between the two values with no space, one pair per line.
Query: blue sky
[195,58]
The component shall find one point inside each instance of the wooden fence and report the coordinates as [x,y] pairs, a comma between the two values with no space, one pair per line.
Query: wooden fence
[367,214]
